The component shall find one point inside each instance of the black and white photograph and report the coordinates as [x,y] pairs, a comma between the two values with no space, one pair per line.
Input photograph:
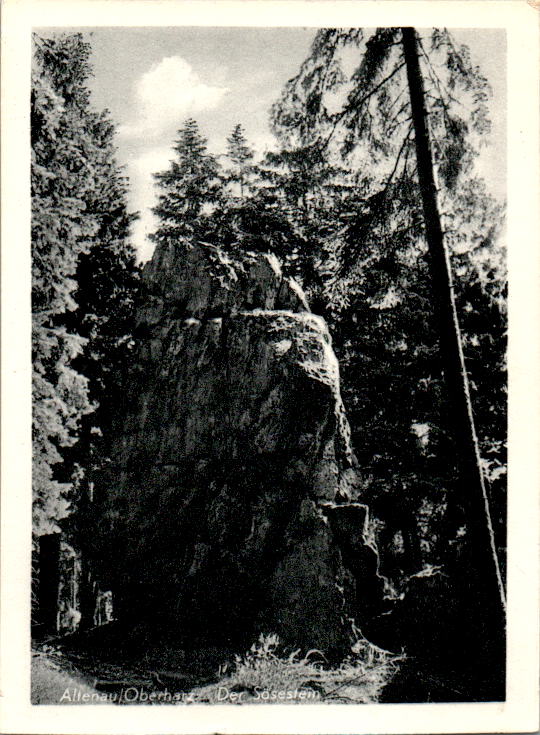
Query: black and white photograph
[268,274]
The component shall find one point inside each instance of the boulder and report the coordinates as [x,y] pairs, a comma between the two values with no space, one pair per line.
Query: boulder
[230,506]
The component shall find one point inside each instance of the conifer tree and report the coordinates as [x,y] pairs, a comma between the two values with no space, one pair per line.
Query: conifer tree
[84,274]
[241,157]
[190,189]
[450,341]
[107,282]
[62,168]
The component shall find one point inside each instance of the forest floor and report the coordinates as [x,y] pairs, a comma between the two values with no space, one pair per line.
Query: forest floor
[76,674]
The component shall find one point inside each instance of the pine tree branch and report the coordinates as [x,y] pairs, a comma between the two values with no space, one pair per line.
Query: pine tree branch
[358,104]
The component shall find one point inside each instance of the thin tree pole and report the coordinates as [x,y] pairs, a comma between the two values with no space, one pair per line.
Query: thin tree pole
[473,486]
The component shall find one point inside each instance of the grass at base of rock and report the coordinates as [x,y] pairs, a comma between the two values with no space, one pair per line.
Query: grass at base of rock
[264,676]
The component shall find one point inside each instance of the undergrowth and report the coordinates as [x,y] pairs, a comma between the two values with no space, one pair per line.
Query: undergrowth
[50,681]
[266,674]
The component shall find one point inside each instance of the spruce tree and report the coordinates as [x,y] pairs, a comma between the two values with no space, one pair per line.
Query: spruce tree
[84,275]
[190,190]
[474,491]
[62,169]
[107,282]
[241,156]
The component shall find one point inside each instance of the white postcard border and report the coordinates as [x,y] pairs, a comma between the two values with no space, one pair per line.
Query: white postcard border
[520,712]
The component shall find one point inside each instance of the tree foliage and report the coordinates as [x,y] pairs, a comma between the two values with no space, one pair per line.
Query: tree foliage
[349,102]
[79,230]
[190,189]
[240,156]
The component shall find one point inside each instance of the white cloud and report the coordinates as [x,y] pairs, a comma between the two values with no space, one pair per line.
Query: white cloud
[170,91]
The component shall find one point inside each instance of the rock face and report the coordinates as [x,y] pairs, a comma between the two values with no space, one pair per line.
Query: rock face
[228,508]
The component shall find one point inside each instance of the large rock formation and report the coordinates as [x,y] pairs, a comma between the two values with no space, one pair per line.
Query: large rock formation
[228,508]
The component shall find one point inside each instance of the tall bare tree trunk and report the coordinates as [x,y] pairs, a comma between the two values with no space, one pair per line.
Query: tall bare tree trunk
[483,566]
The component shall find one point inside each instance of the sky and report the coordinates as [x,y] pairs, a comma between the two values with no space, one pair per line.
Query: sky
[152,79]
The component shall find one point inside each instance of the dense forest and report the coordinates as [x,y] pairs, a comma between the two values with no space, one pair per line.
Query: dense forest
[371,201]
